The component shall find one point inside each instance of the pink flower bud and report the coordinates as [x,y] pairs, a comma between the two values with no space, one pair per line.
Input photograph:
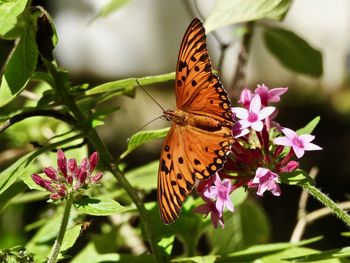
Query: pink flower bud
[69,179]
[85,164]
[93,161]
[72,166]
[51,173]
[290,167]
[55,196]
[62,162]
[42,182]
[97,177]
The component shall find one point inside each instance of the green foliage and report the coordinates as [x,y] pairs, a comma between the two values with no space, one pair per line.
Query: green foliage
[238,11]
[19,68]
[297,177]
[9,12]
[101,206]
[143,137]
[293,52]
[309,128]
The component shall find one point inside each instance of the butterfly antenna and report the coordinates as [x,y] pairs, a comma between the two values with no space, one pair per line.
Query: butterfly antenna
[145,126]
[138,83]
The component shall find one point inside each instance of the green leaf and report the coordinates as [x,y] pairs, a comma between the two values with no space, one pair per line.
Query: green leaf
[322,256]
[254,252]
[297,177]
[9,11]
[167,244]
[237,11]
[308,129]
[13,191]
[111,7]
[143,137]
[144,177]
[293,52]
[124,85]
[99,207]
[70,237]
[90,254]
[13,172]
[19,69]
[241,229]
[198,259]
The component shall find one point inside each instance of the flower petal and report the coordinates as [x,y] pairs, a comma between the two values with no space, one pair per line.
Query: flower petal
[306,138]
[299,152]
[285,141]
[255,104]
[240,113]
[311,147]
[265,112]
[257,126]
[289,133]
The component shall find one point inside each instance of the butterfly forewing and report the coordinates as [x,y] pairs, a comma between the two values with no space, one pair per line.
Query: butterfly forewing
[193,71]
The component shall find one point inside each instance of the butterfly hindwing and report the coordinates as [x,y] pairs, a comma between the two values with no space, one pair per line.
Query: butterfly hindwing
[187,154]
[175,179]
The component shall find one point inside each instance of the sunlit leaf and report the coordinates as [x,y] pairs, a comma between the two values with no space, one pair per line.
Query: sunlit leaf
[10,175]
[258,251]
[143,137]
[144,177]
[293,52]
[70,237]
[237,11]
[320,256]
[19,69]
[167,244]
[197,259]
[125,85]
[9,11]
[297,177]
[102,206]
[308,129]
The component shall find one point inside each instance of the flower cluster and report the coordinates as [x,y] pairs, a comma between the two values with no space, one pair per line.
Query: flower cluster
[69,177]
[258,156]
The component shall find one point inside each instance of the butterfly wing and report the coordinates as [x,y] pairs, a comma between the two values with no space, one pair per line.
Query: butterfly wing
[198,90]
[187,154]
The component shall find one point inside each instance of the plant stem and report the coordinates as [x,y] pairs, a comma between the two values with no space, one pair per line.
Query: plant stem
[58,242]
[106,157]
[239,76]
[326,201]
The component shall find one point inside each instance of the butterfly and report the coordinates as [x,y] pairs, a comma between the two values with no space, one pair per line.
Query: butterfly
[196,144]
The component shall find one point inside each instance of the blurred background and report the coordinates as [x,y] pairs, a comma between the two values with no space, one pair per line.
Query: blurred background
[143,37]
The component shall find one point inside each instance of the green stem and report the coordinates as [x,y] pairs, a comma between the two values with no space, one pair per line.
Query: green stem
[106,157]
[58,242]
[326,201]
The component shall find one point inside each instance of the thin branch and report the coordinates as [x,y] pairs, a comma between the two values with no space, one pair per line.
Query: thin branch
[305,195]
[313,216]
[239,77]
[35,113]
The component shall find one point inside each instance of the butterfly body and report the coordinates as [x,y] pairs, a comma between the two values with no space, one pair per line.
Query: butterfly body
[184,118]
[196,144]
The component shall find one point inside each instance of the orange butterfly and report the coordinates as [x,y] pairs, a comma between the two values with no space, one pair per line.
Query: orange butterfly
[196,145]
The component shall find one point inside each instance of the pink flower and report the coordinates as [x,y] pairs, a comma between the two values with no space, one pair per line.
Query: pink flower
[221,192]
[69,176]
[266,180]
[245,98]
[299,143]
[272,95]
[210,208]
[252,117]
